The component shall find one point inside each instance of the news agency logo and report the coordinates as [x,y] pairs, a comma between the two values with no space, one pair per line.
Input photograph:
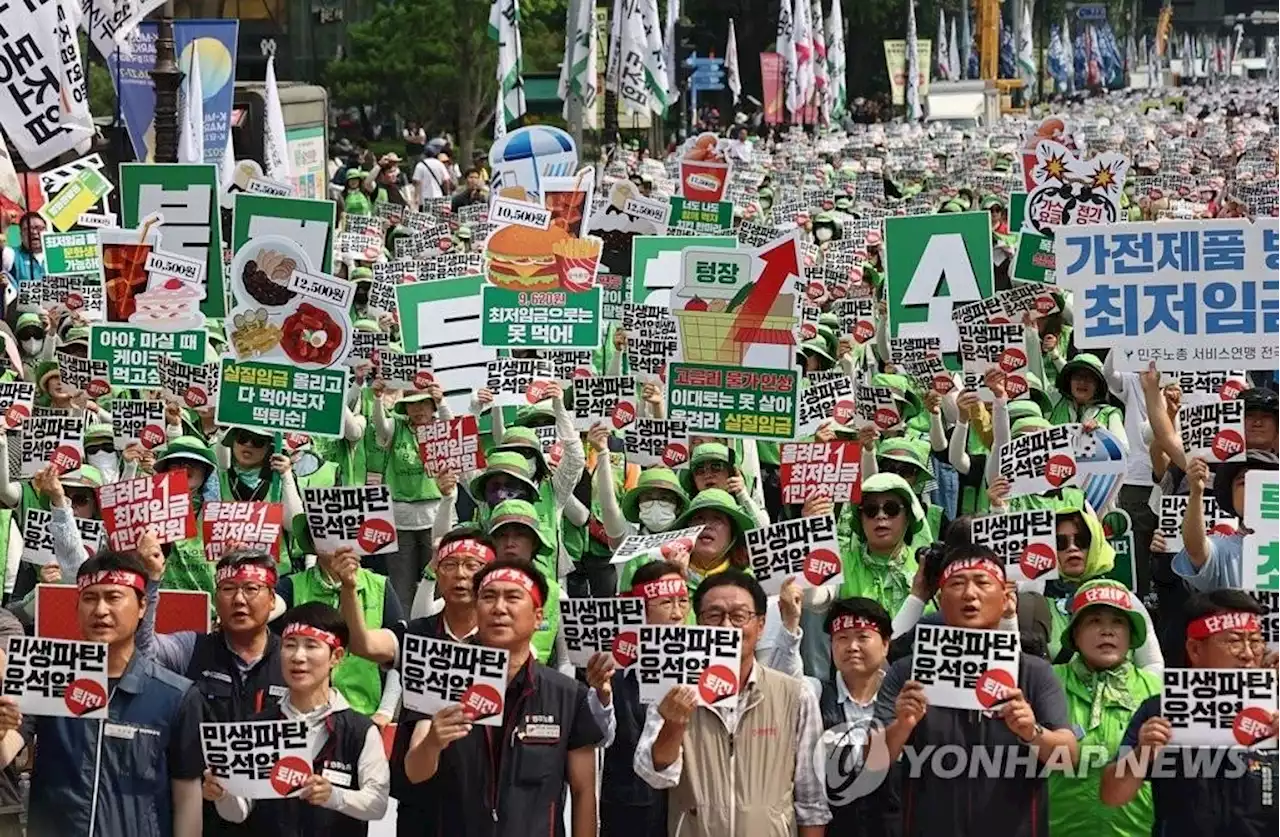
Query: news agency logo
[853,761]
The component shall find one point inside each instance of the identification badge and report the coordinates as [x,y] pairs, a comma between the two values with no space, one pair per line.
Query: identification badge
[277,691]
[121,731]
[540,733]
[337,778]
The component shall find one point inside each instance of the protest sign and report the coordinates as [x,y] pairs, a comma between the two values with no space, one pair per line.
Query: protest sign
[1007,307]
[569,365]
[902,349]
[805,548]
[1070,192]
[71,253]
[436,673]
[1038,462]
[689,655]
[1034,260]
[1025,541]
[518,381]
[1185,294]
[80,195]
[1213,432]
[963,668]
[592,625]
[985,347]
[133,355]
[924,255]
[357,246]
[1205,387]
[160,504]
[357,516]
[406,372]
[1270,603]
[656,263]
[195,385]
[82,294]
[231,525]
[875,407]
[857,318]
[57,678]
[82,374]
[613,289]
[257,759]
[665,546]
[365,346]
[270,398]
[823,402]
[37,537]
[930,373]
[741,403]
[1219,707]
[821,469]
[652,340]
[701,217]
[451,446]
[1173,511]
[56,440]
[611,400]
[1261,558]
[651,442]
[138,423]
[17,398]
[449,265]
[56,607]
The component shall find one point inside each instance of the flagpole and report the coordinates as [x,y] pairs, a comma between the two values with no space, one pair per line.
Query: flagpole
[575,101]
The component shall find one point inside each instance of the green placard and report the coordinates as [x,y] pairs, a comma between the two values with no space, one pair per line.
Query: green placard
[703,217]
[1017,207]
[410,297]
[133,354]
[307,223]
[934,263]
[186,195]
[272,397]
[71,254]
[539,320]
[660,255]
[1035,257]
[1119,532]
[736,401]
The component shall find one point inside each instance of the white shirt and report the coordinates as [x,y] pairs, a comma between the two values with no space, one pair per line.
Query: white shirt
[427,185]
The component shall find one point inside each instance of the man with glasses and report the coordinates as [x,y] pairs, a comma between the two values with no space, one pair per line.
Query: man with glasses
[750,763]
[1223,632]
[236,668]
[25,263]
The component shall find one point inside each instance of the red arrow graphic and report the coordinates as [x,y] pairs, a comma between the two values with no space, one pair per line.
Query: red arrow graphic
[780,262]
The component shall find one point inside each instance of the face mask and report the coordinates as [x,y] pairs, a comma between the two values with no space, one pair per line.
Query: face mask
[105,462]
[306,464]
[657,515]
[31,346]
[822,234]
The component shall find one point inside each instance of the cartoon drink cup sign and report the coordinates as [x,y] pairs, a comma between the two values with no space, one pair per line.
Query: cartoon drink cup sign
[704,170]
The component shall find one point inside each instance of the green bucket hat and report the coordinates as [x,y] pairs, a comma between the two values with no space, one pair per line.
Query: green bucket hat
[705,452]
[186,449]
[411,398]
[28,320]
[1030,424]
[1106,591]
[1024,409]
[518,512]
[362,274]
[990,201]
[818,347]
[356,174]
[45,370]
[86,476]
[654,478]
[524,441]
[893,484]
[540,414]
[912,451]
[76,334]
[367,325]
[99,431]
[719,500]
[506,463]
[951,206]
[902,389]
[1086,362]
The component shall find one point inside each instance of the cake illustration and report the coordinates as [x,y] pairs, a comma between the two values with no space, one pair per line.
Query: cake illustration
[170,305]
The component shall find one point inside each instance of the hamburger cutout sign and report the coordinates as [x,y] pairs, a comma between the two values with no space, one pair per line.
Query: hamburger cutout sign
[540,288]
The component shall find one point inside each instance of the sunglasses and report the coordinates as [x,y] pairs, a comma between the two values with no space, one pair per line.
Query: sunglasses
[891,508]
[1065,542]
[251,441]
[80,498]
[99,448]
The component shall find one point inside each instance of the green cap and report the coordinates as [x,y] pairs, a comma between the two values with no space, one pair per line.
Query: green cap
[1030,424]
[716,499]
[354,174]
[1086,362]
[367,324]
[45,370]
[1023,409]
[186,449]
[99,431]
[86,476]
[1110,593]
[912,451]
[817,347]
[516,512]
[705,452]
[651,479]
[76,334]
[524,441]
[992,200]
[362,274]
[507,463]
[28,320]
[893,484]
[412,397]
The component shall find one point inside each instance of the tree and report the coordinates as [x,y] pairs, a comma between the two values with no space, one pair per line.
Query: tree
[433,61]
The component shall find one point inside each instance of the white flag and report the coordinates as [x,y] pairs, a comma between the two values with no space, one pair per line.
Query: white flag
[227,167]
[1026,46]
[578,72]
[786,47]
[191,139]
[913,66]
[820,91]
[732,79]
[499,124]
[655,66]
[669,50]
[639,66]
[504,27]
[803,37]
[940,43]
[953,52]
[274,148]
[836,61]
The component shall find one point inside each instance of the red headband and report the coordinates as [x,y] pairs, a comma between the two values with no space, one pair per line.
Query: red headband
[247,572]
[661,588]
[1235,620]
[125,578]
[299,629]
[849,622]
[986,565]
[515,576]
[1103,594]
[467,548]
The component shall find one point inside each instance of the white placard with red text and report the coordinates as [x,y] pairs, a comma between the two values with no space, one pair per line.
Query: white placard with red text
[228,525]
[257,759]
[963,668]
[57,678]
[356,516]
[704,657]
[436,673]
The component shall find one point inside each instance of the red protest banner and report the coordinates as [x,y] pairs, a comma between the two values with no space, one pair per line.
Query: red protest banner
[227,526]
[159,503]
[771,87]
[831,469]
[451,446]
[176,610]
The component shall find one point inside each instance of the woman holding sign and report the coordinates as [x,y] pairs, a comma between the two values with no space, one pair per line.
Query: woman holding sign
[1103,689]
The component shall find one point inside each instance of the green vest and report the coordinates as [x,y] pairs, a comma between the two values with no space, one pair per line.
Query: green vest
[186,567]
[860,580]
[358,679]
[405,475]
[6,520]
[1074,810]
[326,476]
[1065,412]
[375,458]
[544,638]
[284,564]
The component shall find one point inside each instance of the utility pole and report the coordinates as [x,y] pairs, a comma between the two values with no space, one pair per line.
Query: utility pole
[167,77]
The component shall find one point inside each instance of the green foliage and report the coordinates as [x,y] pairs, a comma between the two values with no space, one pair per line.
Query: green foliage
[102,93]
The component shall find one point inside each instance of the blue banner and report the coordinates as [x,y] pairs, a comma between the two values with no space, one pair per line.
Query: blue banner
[137,93]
